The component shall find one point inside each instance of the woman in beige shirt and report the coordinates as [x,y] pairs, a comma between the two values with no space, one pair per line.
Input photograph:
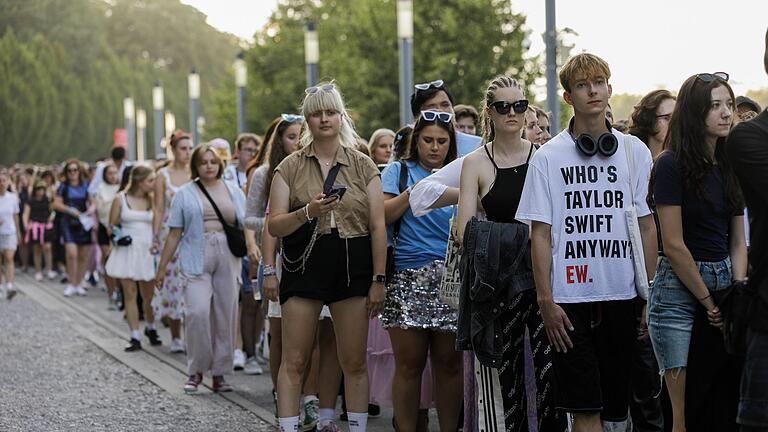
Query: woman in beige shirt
[333,248]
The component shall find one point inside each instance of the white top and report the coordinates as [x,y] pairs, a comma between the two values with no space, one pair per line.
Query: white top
[429,189]
[93,186]
[135,223]
[231,174]
[583,199]
[9,206]
[105,194]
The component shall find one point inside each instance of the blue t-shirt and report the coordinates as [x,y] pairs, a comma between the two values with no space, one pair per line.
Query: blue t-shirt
[76,196]
[706,223]
[466,144]
[421,239]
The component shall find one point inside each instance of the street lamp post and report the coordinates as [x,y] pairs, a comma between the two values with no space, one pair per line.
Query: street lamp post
[170,128]
[129,113]
[405,35]
[141,133]
[158,105]
[241,76]
[550,38]
[193,86]
[311,52]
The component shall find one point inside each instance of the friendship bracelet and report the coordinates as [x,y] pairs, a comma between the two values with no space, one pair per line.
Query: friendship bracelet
[306,212]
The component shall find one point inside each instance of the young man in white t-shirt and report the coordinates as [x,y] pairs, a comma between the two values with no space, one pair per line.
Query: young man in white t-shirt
[575,199]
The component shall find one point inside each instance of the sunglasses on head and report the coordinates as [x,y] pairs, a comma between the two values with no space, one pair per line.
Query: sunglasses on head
[443,116]
[292,118]
[315,89]
[427,85]
[709,77]
[503,107]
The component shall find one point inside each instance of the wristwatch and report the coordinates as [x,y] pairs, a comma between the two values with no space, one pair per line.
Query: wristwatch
[380,278]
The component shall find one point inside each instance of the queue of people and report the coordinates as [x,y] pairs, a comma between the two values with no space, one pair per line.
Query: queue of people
[476,261]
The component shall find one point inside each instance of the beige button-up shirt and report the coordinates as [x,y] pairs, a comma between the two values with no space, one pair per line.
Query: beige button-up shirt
[301,171]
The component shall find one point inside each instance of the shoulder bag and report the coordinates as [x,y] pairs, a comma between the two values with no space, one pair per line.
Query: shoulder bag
[234,233]
[635,238]
[402,185]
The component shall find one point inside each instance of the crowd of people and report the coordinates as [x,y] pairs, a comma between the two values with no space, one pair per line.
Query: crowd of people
[475,261]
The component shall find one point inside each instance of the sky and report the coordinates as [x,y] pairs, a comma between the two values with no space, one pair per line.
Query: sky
[648,44]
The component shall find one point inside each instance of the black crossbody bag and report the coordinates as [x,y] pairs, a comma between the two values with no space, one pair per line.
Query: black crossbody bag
[235,234]
[390,269]
[302,236]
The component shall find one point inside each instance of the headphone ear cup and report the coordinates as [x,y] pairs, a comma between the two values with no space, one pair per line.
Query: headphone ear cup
[586,144]
[607,144]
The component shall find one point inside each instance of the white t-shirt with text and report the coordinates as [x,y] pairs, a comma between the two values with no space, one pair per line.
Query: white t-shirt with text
[583,199]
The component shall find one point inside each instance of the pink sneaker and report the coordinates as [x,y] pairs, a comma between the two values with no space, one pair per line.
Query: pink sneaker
[192,383]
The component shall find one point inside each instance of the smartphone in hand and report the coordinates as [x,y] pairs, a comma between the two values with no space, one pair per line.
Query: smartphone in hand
[337,191]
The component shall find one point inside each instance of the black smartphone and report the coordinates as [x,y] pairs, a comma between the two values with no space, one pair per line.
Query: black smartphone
[337,191]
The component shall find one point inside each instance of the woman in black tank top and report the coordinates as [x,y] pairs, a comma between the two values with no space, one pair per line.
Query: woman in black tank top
[495,175]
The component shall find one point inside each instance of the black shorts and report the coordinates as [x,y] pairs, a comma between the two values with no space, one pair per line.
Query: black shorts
[101,235]
[337,269]
[595,375]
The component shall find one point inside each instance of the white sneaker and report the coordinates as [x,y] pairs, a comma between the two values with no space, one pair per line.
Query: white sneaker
[38,276]
[252,367]
[80,290]
[70,290]
[52,275]
[239,360]
[177,346]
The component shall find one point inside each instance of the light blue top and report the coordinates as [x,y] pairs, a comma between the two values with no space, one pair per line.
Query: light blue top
[421,239]
[187,213]
[466,144]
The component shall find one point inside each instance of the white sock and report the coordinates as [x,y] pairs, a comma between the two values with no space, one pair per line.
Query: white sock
[151,326]
[135,334]
[357,421]
[289,424]
[326,417]
[309,398]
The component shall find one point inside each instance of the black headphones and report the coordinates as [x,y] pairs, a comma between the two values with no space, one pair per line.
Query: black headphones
[606,145]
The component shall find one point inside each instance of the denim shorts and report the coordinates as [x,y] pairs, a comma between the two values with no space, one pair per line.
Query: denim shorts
[671,309]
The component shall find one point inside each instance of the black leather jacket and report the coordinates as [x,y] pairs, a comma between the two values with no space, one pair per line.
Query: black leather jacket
[495,266]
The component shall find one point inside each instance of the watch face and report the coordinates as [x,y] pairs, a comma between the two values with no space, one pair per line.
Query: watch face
[380,278]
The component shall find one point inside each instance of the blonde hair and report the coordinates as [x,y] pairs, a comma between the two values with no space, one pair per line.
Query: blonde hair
[328,100]
[376,136]
[589,65]
[500,82]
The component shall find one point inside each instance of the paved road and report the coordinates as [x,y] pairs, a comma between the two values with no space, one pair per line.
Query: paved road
[63,368]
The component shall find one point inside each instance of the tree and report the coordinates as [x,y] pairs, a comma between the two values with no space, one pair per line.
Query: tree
[463,42]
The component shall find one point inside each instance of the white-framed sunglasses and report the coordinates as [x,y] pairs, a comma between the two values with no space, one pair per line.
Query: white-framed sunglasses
[443,116]
[292,118]
[425,86]
[315,89]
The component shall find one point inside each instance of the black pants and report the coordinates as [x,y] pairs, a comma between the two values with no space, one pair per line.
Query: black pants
[524,312]
[712,380]
[645,406]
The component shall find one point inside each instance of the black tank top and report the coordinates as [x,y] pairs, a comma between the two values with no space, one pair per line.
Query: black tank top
[39,211]
[502,200]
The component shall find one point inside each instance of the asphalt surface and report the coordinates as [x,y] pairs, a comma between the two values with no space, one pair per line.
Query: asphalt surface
[55,379]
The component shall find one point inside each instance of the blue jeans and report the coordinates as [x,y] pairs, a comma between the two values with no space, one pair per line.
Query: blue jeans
[672,307]
[753,407]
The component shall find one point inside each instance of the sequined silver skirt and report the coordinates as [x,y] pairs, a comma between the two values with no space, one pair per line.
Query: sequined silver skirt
[413,300]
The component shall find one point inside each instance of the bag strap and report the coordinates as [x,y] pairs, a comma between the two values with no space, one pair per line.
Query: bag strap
[402,185]
[213,204]
[328,184]
[631,166]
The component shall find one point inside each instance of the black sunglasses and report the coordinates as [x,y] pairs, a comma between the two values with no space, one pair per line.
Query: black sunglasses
[503,107]
[709,77]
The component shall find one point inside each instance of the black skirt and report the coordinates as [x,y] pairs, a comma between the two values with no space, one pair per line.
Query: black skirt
[337,269]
